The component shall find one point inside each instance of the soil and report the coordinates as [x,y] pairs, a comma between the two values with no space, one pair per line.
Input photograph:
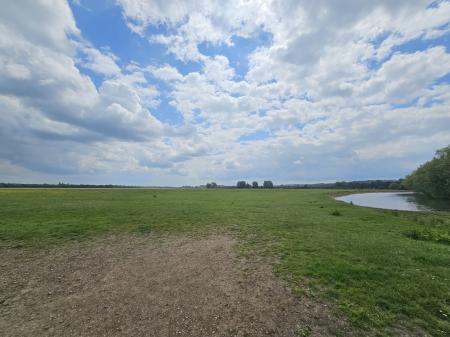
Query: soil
[144,285]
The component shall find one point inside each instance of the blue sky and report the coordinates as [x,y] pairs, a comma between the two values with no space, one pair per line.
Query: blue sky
[177,93]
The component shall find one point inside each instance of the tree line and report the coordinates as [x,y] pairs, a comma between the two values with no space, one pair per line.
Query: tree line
[433,177]
[382,184]
[385,184]
[243,184]
[61,185]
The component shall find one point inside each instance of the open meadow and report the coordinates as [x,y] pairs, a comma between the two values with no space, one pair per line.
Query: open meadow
[386,273]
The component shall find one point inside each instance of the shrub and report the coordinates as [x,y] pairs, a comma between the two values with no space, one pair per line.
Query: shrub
[429,235]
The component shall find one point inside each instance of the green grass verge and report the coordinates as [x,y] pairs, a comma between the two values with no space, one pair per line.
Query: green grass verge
[380,267]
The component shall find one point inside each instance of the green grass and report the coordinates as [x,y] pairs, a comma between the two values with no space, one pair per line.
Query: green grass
[381,268]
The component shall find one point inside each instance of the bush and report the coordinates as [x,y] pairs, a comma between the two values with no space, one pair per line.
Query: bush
[429,235]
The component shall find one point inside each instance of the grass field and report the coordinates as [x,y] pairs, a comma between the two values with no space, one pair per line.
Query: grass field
[381,268]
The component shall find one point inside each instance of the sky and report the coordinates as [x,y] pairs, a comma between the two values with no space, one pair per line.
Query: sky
[171,93]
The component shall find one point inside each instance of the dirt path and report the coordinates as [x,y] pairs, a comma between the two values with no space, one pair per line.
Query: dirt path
[148,286]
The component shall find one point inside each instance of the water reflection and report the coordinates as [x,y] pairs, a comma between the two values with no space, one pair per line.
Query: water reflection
[403,201]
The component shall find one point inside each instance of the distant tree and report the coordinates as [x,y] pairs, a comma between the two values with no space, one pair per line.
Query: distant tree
[208,185]
[255,184]
[395,186]
[268,184]
[247,185]
[433,177]
[241,184]
[213,185]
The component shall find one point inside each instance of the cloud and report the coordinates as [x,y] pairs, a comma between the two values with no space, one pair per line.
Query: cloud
[165,73]
[405,77]
[49,106]
[193,22]
[101,63]
[348,90]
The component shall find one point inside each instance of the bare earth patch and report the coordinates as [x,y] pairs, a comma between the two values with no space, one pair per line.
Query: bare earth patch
[134,285]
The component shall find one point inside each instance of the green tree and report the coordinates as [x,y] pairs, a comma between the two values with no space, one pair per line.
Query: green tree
[433,177]
[255,184]
[268,184]
[211,185]
[241,184]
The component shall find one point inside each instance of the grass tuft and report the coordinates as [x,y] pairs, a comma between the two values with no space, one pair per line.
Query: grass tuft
[144,228]
[303,331]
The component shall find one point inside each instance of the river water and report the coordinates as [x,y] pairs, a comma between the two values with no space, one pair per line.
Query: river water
[402,201]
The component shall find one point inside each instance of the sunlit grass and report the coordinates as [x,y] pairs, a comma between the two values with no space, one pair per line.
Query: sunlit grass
[382,268]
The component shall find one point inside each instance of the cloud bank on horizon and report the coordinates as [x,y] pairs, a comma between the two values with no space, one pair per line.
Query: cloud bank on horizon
[164,92]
